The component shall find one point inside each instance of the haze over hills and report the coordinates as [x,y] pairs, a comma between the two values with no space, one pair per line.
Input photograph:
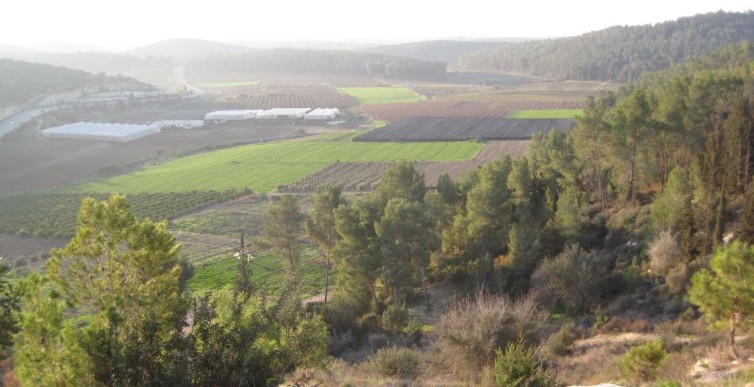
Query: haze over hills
[447,51]
[187,48]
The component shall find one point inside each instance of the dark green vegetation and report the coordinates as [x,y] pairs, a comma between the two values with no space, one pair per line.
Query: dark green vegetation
[54,214]
[321,61]
[464,129]
[22,81]
[122,280]
[621,53]
[446,51]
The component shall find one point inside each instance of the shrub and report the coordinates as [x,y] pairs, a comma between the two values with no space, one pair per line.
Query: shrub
[575,278]
[471,330]
[401,362]
[414,333]
[394,318]
[642,363]
[518,367]
[663,254]
[561,342]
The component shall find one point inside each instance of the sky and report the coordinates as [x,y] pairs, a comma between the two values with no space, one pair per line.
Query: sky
[121,25]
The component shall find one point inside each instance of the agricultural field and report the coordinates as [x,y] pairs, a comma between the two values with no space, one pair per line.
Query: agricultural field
[380,95]
[310,99]
[492,151]
[462,129]
[462,109]
[545,113]
[268,274]
[351,176]
[29,163]
[225,85]
[263,167]
[18,250]
[54,214]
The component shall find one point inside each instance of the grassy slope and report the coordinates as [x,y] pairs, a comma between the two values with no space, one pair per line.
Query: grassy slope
[377,95]
[262,167]
[552,113]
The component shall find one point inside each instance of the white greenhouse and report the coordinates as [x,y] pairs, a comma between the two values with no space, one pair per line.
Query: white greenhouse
[100,131]
[322,114]
[291,113]
[231,115]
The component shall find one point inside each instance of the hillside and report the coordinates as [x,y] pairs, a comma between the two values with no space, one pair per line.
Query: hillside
[187,48]
[446,51]
[620,53]
[96,62]
[288,60]
[21,81]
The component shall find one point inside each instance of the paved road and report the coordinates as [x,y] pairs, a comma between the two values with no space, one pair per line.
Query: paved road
[14,122]
[179,75]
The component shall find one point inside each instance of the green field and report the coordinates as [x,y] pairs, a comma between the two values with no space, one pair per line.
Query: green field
[377,95]
[552,113]
[222,85]
[262,167]
[267,275]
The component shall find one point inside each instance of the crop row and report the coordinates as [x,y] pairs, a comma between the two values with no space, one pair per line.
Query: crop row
[325,99]
[462,129]
[355,176]
[262,167]
[54,214]
[462,109]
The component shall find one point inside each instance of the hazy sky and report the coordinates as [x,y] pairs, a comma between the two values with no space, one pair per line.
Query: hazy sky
[127,24]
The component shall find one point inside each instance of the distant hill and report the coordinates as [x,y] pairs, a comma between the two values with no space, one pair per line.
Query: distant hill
[447,51]
[95,62]
[187,48]
[322,61]
[21,81]
[6,51]
[619,53]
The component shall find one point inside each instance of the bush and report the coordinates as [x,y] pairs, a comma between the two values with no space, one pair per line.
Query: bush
[400,362]
[470,331]
[394,318]
[518,366]
[575,278]
[561,342]
[663,254]
[414,333]
[642,363]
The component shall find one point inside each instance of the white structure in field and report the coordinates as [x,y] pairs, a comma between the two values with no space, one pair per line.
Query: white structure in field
[98,131]
[291,113]
[180,124]
[322,114]
[231,115]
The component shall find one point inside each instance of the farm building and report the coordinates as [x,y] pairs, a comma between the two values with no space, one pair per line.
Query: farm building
[180,124]
[290,113]
[322,114]
[231,115]
[99,131]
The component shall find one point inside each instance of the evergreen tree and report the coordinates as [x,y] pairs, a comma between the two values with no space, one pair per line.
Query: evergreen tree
[724,292]
[321,226]
[282,229]
[9,304]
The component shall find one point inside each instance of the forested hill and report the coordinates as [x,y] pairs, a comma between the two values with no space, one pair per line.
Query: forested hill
[620,53]
[447,51]
[21,81]
[322,61]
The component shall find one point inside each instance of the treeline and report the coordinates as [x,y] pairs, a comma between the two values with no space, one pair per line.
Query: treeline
[447,51]
[22,81]
[322,61]
[621,53]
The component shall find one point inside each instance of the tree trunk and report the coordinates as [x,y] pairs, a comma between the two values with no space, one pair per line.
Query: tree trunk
[424,286]
[327,276]
[732,332]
